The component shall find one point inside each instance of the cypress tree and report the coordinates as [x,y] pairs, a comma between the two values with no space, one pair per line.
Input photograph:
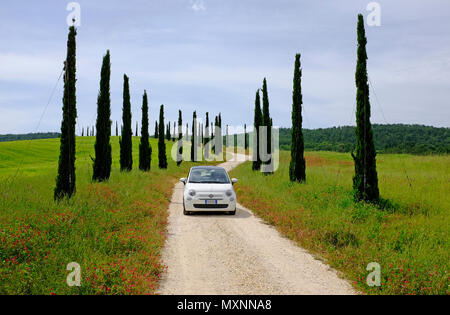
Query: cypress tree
[194,135]
[168,131]
[136,134]
[180,138]
[216,126]
[267,121]
[102,161]
[65,180]
[174,135]
[156,130]
[117,129]
[297,166]
[187,132]
[206,138]
[245,137]
[82,131]
[126,147]
[365,181]
[220,131]
[256,166]
[145,150]
[162,159]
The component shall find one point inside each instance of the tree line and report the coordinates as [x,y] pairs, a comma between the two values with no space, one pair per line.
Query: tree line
[29,136]
[102,160]
[65,180]
[365,179]
[391,138]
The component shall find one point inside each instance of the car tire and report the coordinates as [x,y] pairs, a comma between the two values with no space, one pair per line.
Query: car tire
[184,210]
[232,212]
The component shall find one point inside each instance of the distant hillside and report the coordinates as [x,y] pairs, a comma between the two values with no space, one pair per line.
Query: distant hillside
[398,138]
[29,136]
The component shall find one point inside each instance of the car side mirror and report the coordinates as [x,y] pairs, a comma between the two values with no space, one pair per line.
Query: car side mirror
[234,181]
[183,180]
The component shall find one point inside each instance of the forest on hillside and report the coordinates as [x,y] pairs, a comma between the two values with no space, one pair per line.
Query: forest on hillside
[29,136]
[395,138]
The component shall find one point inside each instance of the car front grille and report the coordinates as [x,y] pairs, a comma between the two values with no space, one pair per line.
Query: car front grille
[211,196]
[217,206]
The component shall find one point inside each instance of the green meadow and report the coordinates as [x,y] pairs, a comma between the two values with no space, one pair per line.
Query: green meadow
[408,236]
[114,230]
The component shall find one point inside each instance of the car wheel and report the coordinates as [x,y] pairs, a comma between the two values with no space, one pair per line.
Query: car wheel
[232,212]
[184,210]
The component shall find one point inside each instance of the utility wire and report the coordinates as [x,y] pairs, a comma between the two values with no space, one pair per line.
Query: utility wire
[12,178]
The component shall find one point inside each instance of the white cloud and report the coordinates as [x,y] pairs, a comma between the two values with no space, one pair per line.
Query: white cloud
[198,5]
[30,68]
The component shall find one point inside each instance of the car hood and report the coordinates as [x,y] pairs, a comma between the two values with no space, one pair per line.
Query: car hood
[209,187]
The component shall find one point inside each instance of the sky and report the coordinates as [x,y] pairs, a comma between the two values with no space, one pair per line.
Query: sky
[212,55]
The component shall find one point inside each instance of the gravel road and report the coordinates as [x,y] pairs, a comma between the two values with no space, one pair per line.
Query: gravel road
[222,254]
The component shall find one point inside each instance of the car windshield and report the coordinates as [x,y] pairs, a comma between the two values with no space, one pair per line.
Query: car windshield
[208,176]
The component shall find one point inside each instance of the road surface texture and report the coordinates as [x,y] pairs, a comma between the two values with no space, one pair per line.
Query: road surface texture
[223,254]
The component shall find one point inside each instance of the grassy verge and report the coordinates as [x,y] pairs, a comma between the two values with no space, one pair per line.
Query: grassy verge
[410,240]
[114,230]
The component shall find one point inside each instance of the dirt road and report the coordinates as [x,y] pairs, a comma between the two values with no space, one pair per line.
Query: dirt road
[223,254]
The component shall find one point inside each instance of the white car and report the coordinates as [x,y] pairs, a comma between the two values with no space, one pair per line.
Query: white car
[209,188]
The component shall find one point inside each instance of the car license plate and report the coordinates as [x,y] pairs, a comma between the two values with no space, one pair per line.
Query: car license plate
[210,202]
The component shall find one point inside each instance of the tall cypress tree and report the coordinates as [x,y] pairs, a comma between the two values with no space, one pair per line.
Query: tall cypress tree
[221,137]
[206,138]
[180,138]
[145,150]
[193,137]
[267,121]
[117,129]
[297,166]
[136,134]
[245,137]
[162,159]
[126,147]
[102,161]
[365,181]
[156,130]
[65,180]
[216,126]
[256,166]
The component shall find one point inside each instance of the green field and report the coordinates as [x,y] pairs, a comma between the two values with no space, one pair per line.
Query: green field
[114,230]
[409,238]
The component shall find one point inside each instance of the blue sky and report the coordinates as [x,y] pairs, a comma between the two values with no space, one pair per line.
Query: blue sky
[212,55]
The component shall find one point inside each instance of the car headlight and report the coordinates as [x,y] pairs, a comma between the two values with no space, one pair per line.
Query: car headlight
[229,193]
[192,192]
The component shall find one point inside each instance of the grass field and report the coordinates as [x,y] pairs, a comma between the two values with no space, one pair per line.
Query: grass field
[114,230]
[409,239]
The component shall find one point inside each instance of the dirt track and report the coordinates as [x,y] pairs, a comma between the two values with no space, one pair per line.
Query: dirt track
[222,254]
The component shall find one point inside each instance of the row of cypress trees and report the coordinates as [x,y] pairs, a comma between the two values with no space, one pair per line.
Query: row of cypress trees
[262,119]
[65,180]
[365,180]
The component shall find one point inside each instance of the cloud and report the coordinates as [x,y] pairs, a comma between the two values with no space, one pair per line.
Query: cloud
[39,69]
[198,5]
